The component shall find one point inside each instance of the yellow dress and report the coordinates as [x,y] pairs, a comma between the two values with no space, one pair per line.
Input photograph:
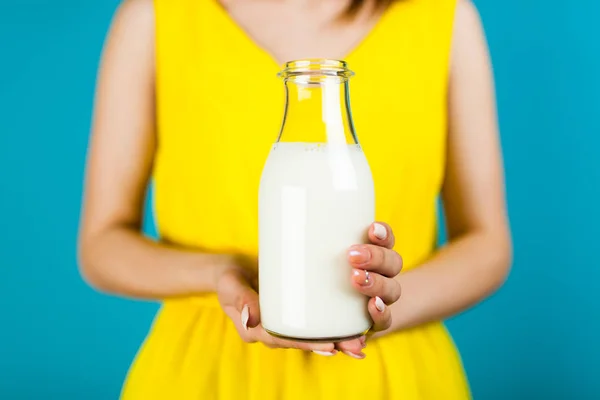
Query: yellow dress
[219,107]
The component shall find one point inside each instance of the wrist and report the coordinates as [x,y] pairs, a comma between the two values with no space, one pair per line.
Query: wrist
[201,272]
[226,263]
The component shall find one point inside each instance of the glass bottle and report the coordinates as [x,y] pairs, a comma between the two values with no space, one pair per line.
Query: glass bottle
[316,199]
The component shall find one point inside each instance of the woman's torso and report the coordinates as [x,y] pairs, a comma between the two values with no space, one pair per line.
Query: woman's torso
[219,110]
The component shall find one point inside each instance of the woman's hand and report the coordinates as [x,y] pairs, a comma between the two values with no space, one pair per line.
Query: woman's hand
[239,300]
[375,267]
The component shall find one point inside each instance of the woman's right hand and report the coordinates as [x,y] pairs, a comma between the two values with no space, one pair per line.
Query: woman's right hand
[239,300]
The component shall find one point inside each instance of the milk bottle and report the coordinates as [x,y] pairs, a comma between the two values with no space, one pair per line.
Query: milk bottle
[316,199]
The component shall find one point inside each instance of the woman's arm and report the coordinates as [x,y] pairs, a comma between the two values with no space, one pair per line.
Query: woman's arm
[114,256]
[477,259]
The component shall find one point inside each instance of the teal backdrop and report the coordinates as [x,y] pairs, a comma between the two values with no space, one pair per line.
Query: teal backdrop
[538,338]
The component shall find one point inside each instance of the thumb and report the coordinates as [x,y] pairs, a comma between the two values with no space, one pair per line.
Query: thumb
[235,292]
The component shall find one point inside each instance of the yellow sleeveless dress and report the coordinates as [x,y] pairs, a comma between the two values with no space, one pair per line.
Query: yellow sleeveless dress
[219,107]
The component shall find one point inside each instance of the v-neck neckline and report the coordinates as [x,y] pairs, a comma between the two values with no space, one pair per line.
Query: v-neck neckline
[352,53]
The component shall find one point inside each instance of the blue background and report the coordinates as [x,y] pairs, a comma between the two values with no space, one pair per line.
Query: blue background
[538,338]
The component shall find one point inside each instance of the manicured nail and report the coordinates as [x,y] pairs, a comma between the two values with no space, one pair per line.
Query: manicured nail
[362,277]
[359,255]
[357,356]
[245,316]
[379,231]
[325,353]
[379,304]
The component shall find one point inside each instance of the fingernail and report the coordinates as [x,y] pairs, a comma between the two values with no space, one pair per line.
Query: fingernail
[359,255]
[379,231]
[362,277]
[379,304]
[245,316]
[325,353]
[357,356]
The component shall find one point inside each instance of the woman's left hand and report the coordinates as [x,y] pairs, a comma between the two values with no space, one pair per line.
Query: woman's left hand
[374,269]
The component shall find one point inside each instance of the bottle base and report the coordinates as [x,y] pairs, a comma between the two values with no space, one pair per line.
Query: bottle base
[317,340]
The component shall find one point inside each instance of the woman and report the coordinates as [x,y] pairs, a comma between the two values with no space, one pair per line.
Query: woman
[187,94]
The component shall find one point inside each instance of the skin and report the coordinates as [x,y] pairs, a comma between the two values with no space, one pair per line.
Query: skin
[116,258]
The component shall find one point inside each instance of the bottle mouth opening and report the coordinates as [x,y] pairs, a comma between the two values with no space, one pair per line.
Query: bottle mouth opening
[315,70]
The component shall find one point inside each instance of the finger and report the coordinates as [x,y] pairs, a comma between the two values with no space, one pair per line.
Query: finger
[380,314]
[235,291]
[353,348]
[306,346]
[376,259]
[381,234]
[372,284]
[273,341]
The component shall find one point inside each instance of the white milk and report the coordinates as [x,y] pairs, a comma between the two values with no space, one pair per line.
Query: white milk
[315,201]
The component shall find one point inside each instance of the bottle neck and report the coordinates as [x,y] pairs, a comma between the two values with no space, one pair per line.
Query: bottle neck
[317,111]
[317,106]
